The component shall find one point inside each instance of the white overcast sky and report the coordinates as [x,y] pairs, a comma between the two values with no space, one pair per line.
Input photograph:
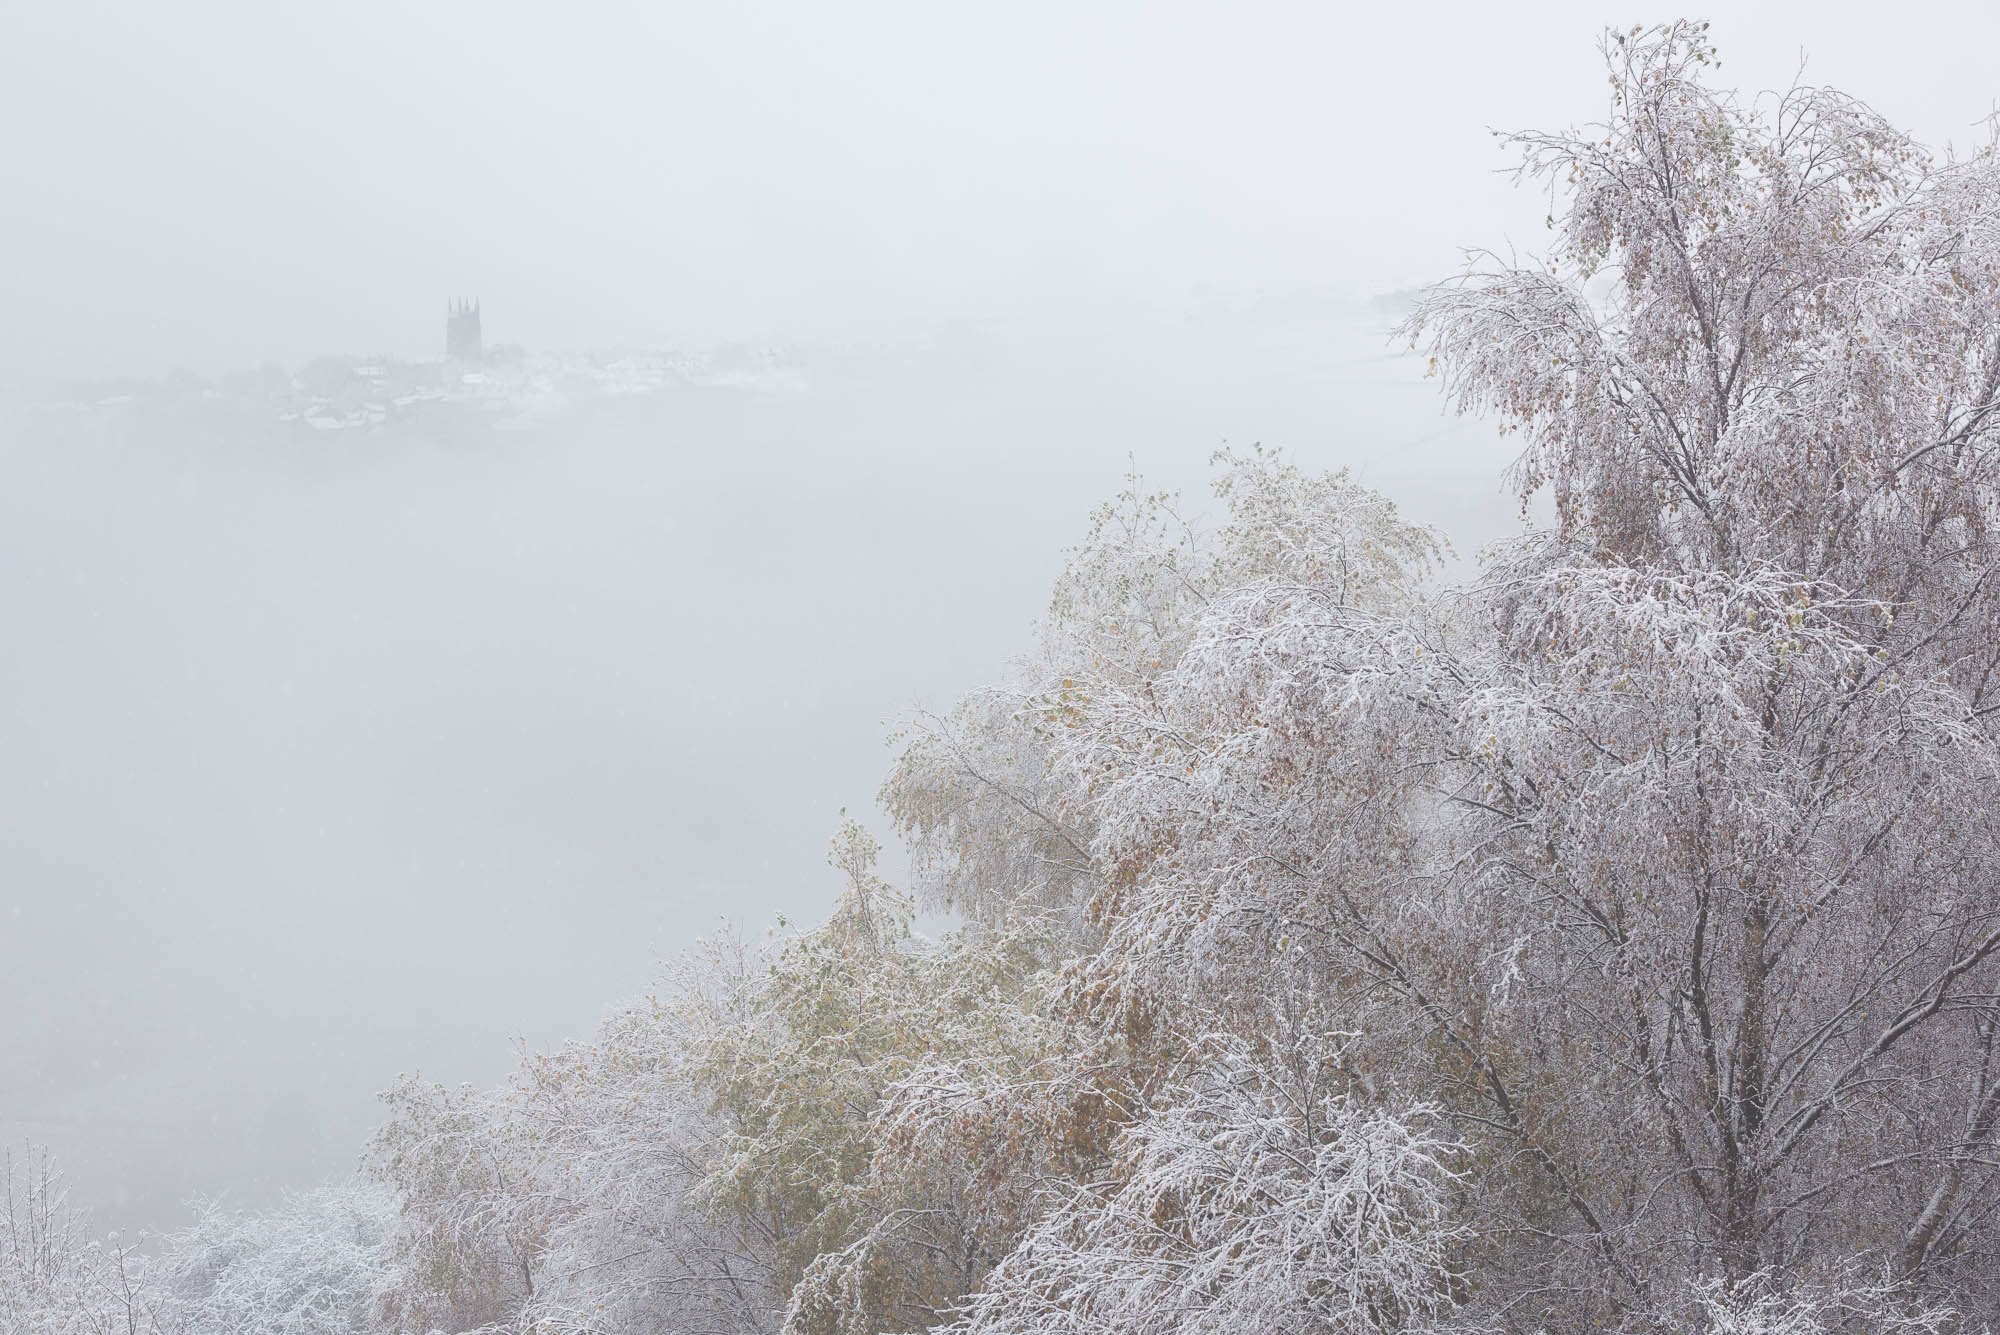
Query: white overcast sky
[212,185]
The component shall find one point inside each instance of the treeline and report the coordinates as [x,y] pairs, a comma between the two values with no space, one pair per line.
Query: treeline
[1611,943]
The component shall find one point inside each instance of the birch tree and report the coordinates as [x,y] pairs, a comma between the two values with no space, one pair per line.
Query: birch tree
[1661,858]
[1744,760]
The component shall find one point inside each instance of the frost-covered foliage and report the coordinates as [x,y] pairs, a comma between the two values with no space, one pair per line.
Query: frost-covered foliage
[735,1152]
[1716,758]
[618,1144]
[1661,858]
[320,1264]
[58,1276]
[1254,1195]
[1765,332]
[1769,1303]
[990,828]
[565,1201]
[472,1222]
[856,1021]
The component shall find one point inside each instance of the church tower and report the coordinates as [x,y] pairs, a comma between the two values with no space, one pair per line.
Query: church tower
[461,331]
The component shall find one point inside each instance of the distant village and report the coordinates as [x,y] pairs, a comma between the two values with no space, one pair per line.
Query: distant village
[507,386]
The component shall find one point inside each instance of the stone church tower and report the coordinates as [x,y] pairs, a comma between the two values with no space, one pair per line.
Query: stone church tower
[461,331]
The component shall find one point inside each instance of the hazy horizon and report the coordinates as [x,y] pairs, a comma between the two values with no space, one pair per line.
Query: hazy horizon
[342,754]
[218,185]
[333,756]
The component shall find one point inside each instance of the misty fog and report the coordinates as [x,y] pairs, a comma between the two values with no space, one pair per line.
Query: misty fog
[337,754]
[332,754]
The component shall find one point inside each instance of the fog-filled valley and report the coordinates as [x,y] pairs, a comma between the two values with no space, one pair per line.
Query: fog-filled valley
[353,752]
[1064,669]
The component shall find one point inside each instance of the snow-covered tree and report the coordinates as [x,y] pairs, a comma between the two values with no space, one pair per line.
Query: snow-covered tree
[989,825]
[623,1139]
[1725,740]
[322,1263]
[1661,858]
[1135,601]
[1772,1302]
[57,1275]
[472,1224]
[871,1232]
[1255,1194]
[734,1152]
